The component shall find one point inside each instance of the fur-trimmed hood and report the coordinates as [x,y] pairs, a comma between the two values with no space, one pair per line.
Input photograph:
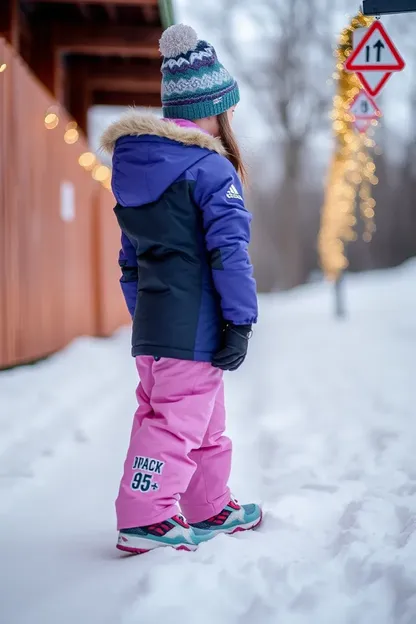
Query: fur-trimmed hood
[137,125]
[150,154]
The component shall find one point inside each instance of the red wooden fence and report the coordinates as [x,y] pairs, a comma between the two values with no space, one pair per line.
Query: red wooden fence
[58,266]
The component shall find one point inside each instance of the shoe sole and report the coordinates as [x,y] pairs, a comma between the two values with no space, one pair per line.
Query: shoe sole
[143,551]
[140,545]
[250,526]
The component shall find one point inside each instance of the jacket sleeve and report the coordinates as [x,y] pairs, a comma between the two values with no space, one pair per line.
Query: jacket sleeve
[129,279]
[219,194]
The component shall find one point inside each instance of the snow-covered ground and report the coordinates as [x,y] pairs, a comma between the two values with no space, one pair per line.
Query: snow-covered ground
[323,417]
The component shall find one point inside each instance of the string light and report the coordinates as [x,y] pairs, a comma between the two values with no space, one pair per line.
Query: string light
[3,67]
[351,173]
[87,160]
[101,173]
[71,135]
[51,121]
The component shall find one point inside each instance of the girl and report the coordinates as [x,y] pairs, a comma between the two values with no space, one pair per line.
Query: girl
[188,284]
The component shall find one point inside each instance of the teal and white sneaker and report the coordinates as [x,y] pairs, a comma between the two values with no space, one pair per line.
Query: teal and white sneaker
[232,519]
[174,532]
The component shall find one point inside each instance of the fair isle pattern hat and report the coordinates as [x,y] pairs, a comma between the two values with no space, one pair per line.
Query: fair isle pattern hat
[194,83]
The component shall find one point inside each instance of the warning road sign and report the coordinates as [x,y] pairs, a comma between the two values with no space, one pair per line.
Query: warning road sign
[376,52]
[364,107]
[364,110]
[369,42]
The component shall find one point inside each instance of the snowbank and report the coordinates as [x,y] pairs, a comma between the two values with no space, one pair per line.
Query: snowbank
[323,421]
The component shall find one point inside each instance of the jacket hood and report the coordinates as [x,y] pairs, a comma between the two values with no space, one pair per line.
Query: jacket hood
[149,154]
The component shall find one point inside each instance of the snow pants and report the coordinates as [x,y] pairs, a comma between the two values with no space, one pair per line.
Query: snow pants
[178,453]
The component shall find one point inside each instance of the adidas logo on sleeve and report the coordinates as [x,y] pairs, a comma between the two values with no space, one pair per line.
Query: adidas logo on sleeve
[233,193]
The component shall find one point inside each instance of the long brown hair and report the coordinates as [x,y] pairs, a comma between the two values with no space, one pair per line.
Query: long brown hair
[229,141]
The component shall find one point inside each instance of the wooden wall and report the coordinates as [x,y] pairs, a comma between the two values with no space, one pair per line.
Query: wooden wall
[58,273]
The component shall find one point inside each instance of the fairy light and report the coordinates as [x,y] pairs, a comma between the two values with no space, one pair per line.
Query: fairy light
[3,67]
[71,135]
[51,121]
[352,171]
[87,160]
[101,173]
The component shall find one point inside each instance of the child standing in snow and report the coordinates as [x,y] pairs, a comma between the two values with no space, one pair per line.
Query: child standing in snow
[188,283]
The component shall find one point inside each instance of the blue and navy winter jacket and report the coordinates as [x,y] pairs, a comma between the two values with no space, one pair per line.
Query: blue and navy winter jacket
[185,234]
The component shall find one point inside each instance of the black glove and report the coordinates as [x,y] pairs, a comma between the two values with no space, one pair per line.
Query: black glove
[234,348]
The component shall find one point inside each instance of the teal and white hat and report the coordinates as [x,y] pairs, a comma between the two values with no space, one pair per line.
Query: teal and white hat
[194,83]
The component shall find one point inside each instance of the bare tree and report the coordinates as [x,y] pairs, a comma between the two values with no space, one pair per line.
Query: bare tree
[287,70]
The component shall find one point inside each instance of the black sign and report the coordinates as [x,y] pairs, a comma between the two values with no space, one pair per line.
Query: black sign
[384,7]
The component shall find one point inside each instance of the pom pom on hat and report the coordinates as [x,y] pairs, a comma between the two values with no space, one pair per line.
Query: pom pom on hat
[178,39]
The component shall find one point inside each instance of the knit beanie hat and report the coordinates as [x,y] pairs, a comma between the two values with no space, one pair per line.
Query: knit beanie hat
[194,83]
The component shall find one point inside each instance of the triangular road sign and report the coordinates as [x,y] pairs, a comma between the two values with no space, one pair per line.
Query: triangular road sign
[364,107]
[375,52]
[374,82]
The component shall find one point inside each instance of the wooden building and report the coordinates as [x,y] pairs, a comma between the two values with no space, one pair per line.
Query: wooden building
[59,239]
[89,52]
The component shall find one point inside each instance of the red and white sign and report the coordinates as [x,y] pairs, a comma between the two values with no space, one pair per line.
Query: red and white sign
[364,110]
[364,107]
[376,52]
[374,82]
[375,58]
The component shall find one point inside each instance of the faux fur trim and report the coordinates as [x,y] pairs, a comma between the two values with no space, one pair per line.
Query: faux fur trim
[134,124]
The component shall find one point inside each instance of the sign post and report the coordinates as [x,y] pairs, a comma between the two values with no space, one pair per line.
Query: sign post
[340,308]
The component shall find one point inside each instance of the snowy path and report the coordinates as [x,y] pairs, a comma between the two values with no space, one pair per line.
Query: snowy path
[324,429]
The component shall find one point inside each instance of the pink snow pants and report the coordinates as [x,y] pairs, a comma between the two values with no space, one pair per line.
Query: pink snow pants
[178,452]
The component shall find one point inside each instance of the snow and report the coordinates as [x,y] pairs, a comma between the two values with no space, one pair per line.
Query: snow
[323,421]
